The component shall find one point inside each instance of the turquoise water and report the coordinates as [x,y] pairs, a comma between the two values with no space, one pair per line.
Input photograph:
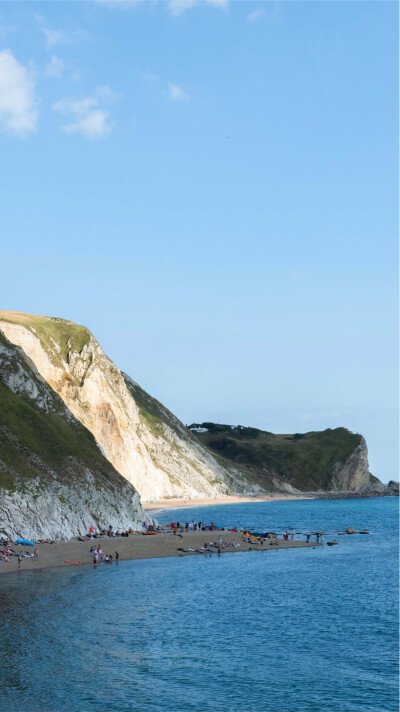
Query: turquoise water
[276,631]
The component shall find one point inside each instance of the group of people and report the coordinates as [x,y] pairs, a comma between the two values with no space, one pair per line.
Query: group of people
[93,533]
[9,551]
[194,526]
[318,537]
[98,555]
[287,536]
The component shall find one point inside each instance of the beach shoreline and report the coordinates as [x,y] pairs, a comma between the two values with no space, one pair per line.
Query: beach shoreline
[180,503]
[134,547]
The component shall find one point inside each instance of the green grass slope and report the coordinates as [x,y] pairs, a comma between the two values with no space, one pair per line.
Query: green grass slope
[305,461]
[38,435]
[57,336]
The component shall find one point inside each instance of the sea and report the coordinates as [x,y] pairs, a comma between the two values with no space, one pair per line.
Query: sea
[305,630]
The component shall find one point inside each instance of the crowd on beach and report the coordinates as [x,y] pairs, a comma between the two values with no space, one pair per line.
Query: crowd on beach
[99,555]
[8,551]
[254,540]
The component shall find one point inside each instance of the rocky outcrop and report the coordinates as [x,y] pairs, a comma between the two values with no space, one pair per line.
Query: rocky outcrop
[54,481]
[353,474]
[146,444]
[392,488]
[46,508]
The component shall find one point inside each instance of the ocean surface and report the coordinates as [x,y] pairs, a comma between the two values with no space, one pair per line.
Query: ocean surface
[307,630]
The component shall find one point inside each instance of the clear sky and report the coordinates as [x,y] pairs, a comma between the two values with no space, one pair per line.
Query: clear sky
[211,188]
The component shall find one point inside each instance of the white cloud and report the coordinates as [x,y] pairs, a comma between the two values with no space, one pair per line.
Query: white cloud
[223,4]
[89,119]
[79,107]
[104,93]
[93,125]
[176,93]
[18,111]
[256,15]
[55,68]
[54,37]
[178,7]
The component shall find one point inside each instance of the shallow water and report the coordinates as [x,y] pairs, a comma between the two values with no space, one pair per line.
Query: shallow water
[277,631]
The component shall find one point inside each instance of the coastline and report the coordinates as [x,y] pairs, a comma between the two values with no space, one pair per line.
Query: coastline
[136,546]
[180,503]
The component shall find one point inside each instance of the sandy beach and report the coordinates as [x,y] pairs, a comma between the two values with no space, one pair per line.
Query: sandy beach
[136,546]
[178,503]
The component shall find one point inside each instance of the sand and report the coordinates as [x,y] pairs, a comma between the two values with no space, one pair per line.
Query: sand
[178,503]
[136,546]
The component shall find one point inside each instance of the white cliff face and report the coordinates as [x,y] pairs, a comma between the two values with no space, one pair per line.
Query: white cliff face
[56,511]
[353,474]
[44,494]
[156,454]
[143,441]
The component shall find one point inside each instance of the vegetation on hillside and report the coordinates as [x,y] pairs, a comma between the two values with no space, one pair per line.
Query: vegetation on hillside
[35,441]
[304,460]
[57,336]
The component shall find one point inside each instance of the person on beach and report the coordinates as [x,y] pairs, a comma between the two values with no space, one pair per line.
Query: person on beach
[95,558]
[219,541]
[116,556]
[36,552]
[19,560]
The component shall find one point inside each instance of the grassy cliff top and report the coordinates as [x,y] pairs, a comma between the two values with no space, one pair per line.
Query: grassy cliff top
[305,460]
[57,336]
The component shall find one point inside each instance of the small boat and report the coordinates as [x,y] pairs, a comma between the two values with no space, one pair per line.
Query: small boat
[148,533]
[331,543]
[75,563]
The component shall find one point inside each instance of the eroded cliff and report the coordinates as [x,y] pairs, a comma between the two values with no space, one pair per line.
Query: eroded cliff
[54,480]
[144,441]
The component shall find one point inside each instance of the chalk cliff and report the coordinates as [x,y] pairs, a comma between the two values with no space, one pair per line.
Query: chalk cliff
[54,480]
[146,444]
[154,451]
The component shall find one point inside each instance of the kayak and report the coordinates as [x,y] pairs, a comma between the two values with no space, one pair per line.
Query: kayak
[76,563]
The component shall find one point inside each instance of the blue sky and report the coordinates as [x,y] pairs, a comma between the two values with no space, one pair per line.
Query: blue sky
[211,187]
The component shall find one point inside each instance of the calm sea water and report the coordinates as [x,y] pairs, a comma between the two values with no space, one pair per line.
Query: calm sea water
[310,630]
